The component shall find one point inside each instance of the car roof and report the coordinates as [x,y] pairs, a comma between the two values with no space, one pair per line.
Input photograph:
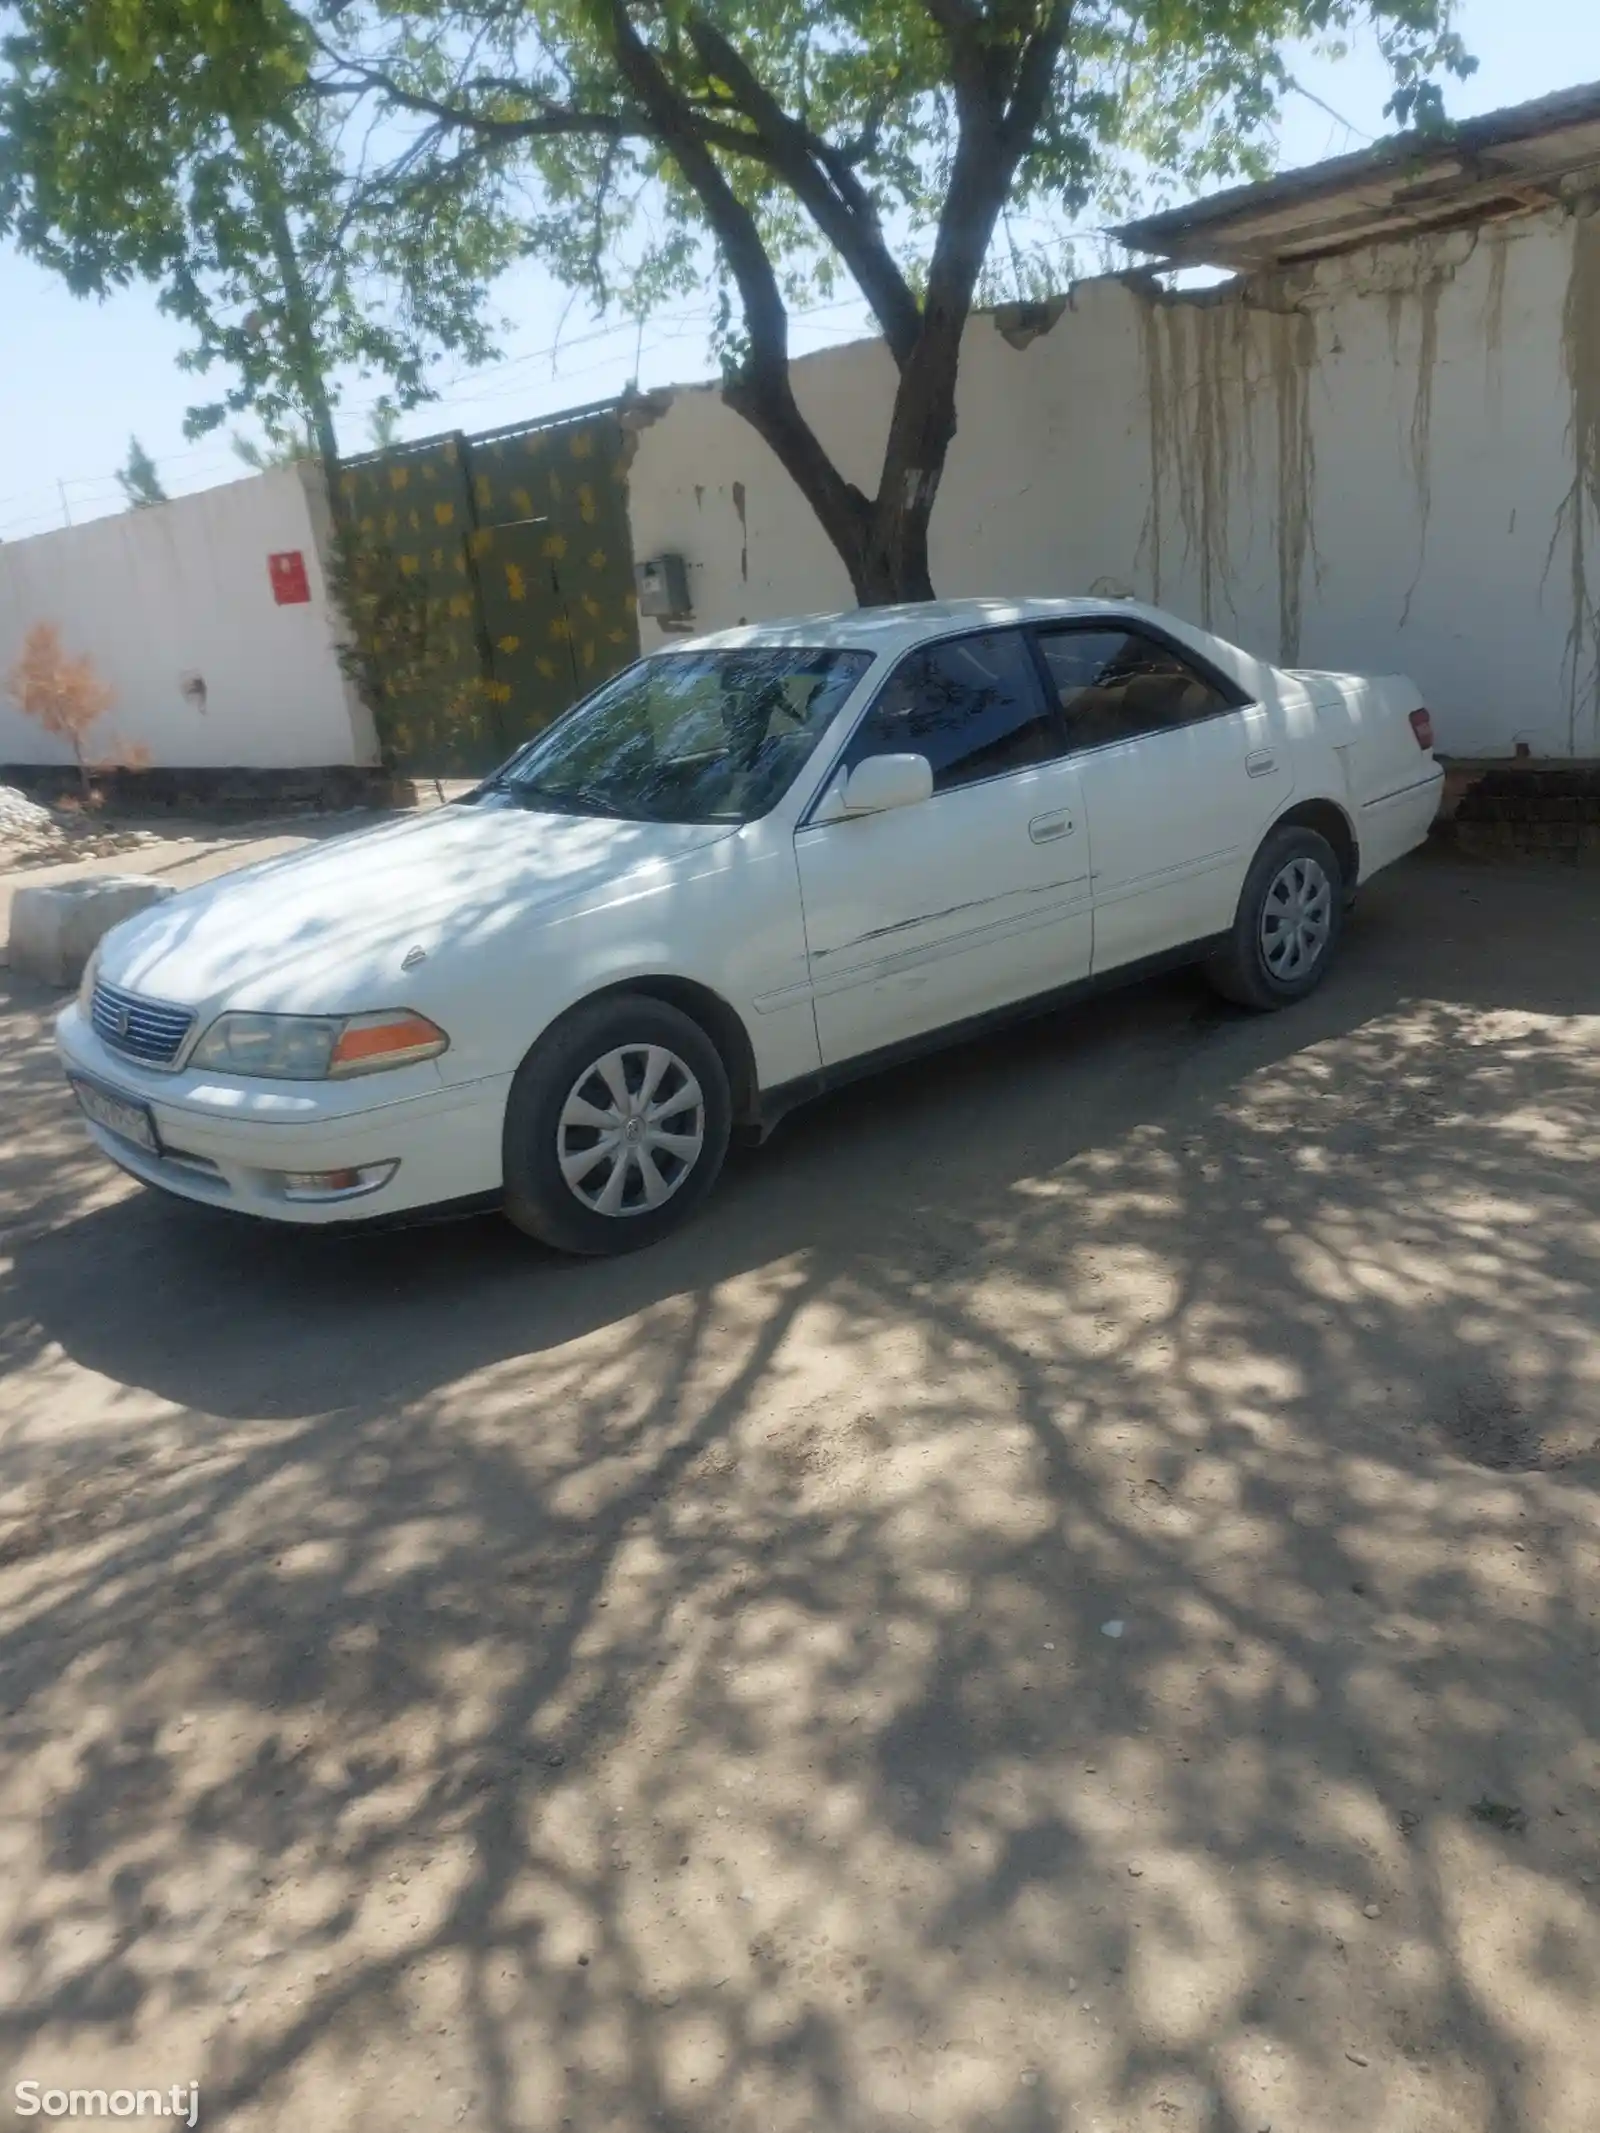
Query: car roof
[894,629]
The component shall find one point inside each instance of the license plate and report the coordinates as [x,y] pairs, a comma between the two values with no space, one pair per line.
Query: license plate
[130,1121]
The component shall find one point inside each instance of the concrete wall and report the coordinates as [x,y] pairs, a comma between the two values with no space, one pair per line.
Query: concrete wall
[179,593]
[1389,462]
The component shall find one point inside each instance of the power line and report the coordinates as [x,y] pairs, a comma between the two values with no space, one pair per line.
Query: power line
[463,388]
[680,320]
[1328,111]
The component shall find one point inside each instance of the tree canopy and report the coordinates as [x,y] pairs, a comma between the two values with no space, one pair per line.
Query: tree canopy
[776,148]
[180,146]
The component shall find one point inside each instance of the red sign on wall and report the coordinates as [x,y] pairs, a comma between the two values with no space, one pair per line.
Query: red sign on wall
[290,587]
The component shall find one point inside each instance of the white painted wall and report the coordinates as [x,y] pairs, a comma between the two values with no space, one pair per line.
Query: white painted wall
[1371,464]
[181,589]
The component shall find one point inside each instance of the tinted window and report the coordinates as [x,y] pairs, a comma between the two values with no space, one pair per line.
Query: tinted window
[1114,684]
[972,706]
[686,737]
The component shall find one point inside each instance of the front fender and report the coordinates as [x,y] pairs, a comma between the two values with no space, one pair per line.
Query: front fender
[728,921]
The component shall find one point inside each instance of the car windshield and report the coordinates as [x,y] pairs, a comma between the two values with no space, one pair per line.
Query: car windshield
[686,736]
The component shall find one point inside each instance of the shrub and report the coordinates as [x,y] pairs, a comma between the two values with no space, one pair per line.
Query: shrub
[61,693]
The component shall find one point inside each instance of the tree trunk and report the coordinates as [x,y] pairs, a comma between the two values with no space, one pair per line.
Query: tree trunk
[883,544]
[922,427]
[883,541]
[894,565]
[305,364]
[763,395]
[307,369]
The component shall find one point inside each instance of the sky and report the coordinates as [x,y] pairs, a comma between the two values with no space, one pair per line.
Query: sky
[78,378]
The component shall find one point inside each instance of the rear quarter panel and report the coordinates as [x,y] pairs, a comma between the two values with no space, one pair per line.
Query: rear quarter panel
[1367,718]
[1392,786]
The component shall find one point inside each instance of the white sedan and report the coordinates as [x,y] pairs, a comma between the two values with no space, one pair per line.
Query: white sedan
[744,870]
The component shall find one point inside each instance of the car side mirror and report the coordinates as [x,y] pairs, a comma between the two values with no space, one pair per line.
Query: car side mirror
[886,781]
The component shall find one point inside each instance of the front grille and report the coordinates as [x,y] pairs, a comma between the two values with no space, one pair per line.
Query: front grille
[148,1030]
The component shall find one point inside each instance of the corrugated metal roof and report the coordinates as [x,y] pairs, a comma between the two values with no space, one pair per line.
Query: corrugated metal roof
[1506,163]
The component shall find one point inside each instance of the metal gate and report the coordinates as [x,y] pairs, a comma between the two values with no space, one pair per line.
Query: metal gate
[491,583]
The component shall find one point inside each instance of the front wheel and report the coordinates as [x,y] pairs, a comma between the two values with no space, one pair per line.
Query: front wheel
[616,1127]
[1290,917]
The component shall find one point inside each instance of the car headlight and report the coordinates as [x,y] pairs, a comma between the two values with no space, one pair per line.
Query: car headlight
[317,1047]
[86,984]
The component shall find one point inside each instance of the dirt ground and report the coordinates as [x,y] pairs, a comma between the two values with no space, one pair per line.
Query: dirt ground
[1069,1600]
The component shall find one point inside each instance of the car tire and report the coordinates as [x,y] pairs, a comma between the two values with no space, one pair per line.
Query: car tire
[1288,926]
[598,1160]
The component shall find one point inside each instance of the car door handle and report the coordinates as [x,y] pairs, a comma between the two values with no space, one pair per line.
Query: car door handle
[1260,763]
[1044,827]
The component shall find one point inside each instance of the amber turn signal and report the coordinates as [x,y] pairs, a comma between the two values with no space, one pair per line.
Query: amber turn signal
[396,1038]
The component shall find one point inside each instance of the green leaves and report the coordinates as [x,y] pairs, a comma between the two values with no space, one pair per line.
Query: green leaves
[319,185]
[184,144]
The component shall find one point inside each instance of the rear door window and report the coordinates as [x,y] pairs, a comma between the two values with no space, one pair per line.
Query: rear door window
[1118,684]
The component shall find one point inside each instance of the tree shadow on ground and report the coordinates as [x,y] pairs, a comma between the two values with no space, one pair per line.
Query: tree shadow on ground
[964,1638]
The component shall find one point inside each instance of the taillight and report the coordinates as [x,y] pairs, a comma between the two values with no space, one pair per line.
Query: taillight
[1422,727]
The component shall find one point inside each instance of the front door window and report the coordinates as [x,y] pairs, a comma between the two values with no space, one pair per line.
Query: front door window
[972,706]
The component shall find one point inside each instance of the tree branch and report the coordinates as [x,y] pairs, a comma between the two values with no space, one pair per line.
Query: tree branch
[602,194]
[993,136]
[962,24]
[553,122]
[957,18]
[305,358]
[1035,73]
[845,213]
[988,149]
[763,392]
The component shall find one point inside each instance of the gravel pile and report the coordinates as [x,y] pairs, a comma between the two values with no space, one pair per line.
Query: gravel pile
[22,817]
[31,835]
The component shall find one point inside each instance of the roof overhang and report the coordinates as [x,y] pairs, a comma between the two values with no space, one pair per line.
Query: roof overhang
[1506,163]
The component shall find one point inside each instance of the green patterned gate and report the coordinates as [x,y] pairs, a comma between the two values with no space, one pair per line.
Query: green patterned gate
[491,583]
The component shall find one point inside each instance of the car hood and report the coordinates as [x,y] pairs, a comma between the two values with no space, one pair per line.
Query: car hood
[326,930]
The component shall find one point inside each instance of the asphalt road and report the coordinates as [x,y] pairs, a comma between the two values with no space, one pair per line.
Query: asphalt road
[1067,1600]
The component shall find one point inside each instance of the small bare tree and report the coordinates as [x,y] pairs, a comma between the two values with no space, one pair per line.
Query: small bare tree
[62,694]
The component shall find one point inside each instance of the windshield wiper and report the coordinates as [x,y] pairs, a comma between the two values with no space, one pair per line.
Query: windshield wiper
[575,799]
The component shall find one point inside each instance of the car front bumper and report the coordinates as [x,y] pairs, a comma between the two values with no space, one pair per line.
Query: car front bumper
[229,1142]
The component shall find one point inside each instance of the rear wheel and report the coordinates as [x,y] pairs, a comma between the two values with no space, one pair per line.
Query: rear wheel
[1290,917]
[616,1127]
